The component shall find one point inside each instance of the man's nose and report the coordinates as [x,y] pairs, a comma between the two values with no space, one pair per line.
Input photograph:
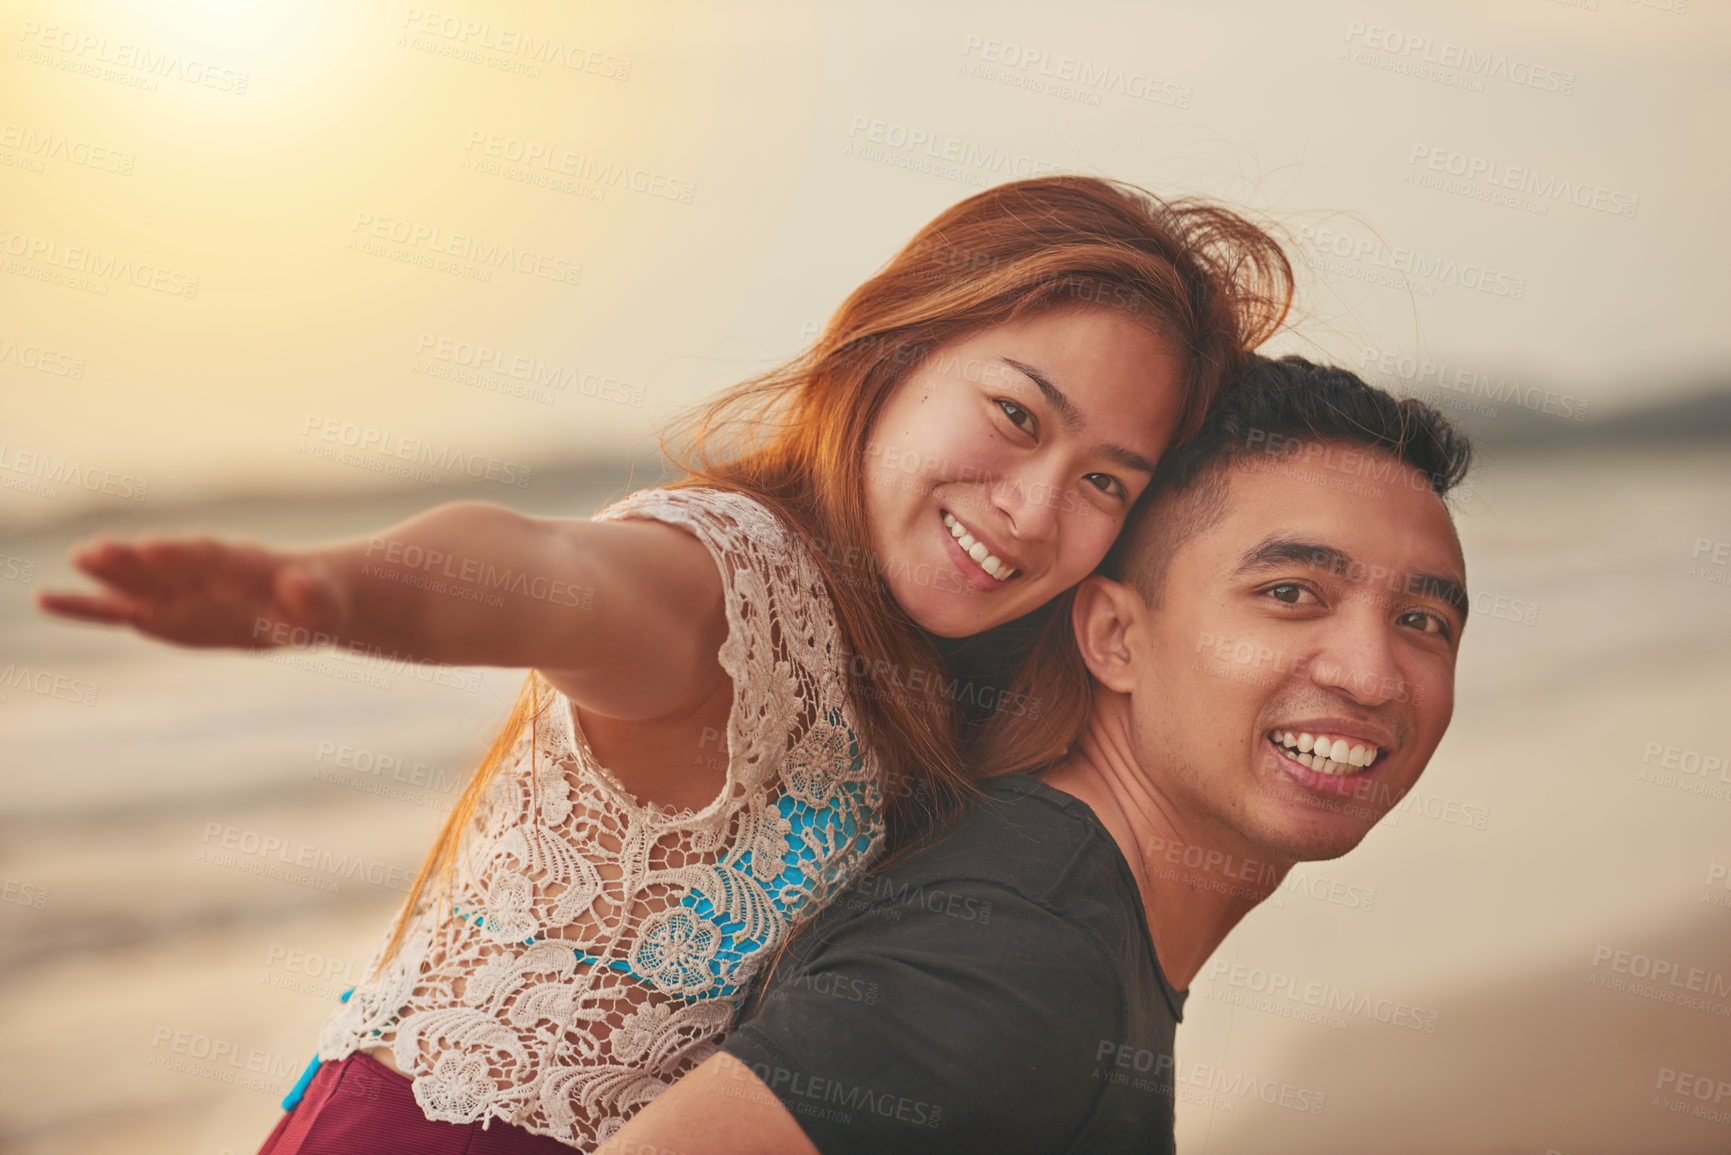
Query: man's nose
[1357,658]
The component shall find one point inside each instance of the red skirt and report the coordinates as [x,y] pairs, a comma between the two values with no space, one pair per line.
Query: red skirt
[361,1105]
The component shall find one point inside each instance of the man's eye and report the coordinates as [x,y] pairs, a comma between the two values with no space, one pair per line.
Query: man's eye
[1291,593]
[1426,622]
[1106,483]
[1018,416]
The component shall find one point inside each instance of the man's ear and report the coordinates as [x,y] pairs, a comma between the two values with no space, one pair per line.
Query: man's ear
[1104,615]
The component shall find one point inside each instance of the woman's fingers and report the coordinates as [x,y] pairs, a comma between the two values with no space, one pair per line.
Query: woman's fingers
[118,564]
[196,591]
[176,620]
[146,569]
[194,564]
[160,568]
[105,608]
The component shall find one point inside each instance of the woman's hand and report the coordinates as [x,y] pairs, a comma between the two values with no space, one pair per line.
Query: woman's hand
[204,592]
[626,617]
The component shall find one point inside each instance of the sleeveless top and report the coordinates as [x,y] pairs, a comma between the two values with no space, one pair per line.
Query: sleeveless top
[592,948]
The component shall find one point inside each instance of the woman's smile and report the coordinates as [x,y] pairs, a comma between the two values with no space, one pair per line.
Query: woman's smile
[973,555]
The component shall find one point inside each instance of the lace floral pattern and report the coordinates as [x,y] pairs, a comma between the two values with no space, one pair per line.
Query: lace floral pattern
[597,947]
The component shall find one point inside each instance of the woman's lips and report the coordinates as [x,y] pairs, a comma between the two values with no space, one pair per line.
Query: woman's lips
[961,546]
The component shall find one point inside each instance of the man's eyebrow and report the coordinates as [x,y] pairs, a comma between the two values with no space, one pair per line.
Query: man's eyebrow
[1279,553]
[1072,418]
[1443,589]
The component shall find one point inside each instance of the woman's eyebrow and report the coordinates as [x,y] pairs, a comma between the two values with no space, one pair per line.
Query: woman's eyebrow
[1065,408]
[1072,417]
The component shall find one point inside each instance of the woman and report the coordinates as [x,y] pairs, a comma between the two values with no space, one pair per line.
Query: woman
[711,753]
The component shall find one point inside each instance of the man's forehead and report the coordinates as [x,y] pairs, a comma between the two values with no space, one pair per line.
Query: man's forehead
[1367,511]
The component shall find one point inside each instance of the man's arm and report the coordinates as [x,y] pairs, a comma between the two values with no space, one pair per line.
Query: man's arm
[719,1108]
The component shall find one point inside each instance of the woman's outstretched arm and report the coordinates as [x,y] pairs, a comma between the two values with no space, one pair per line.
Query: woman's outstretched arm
[624,616]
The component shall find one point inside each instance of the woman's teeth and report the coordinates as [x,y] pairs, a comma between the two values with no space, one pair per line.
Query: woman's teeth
[1325,754]
[982,557]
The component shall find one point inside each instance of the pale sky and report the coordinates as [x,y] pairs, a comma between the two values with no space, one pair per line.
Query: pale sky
[780,153]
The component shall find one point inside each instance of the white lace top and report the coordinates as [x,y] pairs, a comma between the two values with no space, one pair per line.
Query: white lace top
[596,947]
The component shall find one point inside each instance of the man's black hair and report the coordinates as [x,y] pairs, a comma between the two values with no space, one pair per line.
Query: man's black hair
[1285,412]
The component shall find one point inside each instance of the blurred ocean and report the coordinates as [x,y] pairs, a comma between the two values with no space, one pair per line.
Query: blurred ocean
[199,860]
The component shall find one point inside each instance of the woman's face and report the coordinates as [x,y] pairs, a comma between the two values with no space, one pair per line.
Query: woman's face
[999,471]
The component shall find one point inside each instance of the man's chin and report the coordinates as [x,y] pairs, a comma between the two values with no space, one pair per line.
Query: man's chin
[1306,836]
[1305,826]
[1318,848]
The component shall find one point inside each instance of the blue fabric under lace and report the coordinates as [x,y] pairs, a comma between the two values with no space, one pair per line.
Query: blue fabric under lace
[817,833]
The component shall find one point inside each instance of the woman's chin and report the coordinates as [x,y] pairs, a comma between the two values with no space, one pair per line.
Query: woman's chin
[958,615]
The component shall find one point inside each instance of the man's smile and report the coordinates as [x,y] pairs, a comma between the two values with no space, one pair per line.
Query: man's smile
[1328,757]
[1326,753]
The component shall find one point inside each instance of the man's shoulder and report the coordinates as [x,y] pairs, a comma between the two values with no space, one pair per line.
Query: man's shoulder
[1019,837]
[1023,886]
[988,975]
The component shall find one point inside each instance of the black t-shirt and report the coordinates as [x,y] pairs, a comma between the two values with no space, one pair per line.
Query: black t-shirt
[994,991]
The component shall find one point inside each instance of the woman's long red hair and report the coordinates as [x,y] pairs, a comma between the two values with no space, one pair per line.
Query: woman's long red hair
[1210,282]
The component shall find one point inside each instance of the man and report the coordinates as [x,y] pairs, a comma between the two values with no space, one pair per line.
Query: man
[1273,664]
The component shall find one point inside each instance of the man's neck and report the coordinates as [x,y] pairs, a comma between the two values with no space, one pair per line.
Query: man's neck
[1194,886]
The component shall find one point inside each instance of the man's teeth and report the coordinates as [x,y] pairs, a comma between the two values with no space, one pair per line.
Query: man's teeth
[987,560]
[1328,755]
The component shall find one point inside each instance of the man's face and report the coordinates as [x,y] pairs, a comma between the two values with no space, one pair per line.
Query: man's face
[1321,613]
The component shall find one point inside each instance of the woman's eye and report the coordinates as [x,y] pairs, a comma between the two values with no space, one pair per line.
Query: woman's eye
[1291,593]
[1018,416]
[1427,623]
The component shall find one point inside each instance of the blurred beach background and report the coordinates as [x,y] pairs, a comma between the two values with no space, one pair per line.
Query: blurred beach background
[292,272]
